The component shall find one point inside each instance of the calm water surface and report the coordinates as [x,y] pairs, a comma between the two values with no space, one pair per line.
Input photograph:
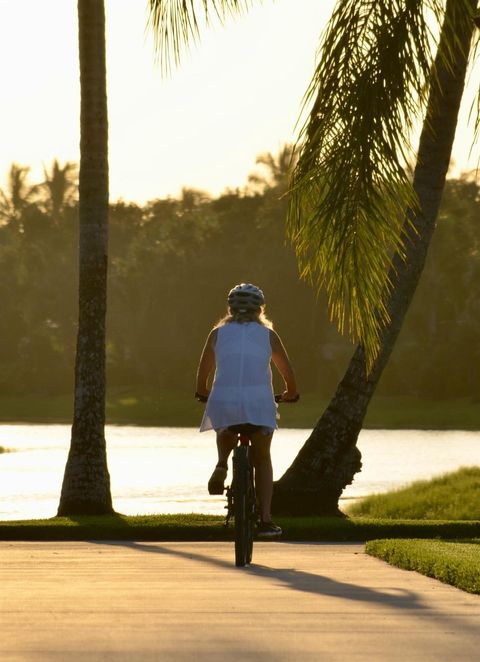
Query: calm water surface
[165,470]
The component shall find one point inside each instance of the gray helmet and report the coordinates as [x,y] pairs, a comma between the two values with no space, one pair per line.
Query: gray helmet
[245,297]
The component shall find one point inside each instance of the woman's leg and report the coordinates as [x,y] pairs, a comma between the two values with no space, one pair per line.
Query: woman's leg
[226,441]
[262,462]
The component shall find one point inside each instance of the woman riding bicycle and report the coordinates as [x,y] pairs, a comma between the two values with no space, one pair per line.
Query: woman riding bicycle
[240,348]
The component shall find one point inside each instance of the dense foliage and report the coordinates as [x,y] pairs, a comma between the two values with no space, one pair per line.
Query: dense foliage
[171,263]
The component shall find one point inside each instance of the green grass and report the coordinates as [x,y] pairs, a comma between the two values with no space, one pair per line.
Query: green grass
[453,496]
[455,563]
[140,406]
[210,527]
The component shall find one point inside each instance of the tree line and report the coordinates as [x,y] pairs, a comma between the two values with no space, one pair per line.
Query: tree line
[172,261]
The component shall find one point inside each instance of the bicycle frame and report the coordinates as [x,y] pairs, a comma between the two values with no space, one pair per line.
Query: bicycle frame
[241,501]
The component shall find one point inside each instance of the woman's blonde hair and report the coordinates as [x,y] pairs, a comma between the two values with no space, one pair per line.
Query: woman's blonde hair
[244,317]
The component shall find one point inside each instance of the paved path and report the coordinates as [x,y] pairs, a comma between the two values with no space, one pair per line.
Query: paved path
[186,601]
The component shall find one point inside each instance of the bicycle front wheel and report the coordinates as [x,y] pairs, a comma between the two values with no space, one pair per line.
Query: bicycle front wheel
[243,504]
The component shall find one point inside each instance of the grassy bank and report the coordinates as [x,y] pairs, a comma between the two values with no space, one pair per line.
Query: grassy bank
[132,406]
[455,563]
[210,527]
[453,496]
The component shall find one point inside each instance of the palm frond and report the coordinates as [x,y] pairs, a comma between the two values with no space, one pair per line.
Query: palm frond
[475,107]
[177,23]
[351,186]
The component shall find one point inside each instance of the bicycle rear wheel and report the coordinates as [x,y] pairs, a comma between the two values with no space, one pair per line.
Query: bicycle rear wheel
[243,504]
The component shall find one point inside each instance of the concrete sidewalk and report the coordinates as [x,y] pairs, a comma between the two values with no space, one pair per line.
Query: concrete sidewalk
[186,601]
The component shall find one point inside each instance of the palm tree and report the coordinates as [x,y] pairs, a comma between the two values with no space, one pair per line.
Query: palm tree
[277,171]
[59,188]
[349,191]
[18,195]
[86,483]
[360,224]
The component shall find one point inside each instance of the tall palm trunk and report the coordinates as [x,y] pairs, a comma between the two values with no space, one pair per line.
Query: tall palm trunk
[329,458]
[86,484]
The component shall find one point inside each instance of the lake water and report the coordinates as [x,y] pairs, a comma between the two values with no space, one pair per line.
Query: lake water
[165,470]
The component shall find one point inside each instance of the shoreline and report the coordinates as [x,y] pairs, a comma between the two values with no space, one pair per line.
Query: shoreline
[150,408]
[134,424]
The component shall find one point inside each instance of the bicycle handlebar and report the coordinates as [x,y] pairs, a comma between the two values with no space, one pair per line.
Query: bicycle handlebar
[279,398]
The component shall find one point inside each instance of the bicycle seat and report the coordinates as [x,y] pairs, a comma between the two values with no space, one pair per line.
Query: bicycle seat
[245,428]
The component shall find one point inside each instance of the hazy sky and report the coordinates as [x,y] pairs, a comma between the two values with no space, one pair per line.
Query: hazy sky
[236,95]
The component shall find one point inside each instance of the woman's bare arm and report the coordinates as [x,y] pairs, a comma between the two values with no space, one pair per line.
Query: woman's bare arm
[282,363]
[207,364]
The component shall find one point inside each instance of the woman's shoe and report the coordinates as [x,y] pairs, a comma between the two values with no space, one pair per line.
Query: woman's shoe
[268,530]
[216,484]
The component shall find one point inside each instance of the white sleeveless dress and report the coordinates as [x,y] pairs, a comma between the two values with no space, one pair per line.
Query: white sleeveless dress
[242,390]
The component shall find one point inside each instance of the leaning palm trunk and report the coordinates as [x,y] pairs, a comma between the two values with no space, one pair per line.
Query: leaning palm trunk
[86,484]
[329,458]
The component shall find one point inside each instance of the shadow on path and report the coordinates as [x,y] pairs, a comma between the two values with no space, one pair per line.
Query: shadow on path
[297,580]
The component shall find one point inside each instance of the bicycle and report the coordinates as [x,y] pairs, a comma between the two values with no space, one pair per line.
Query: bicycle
[241,498]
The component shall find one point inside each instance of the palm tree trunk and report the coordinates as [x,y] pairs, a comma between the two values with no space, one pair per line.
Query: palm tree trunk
[329,459]
[86,483]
